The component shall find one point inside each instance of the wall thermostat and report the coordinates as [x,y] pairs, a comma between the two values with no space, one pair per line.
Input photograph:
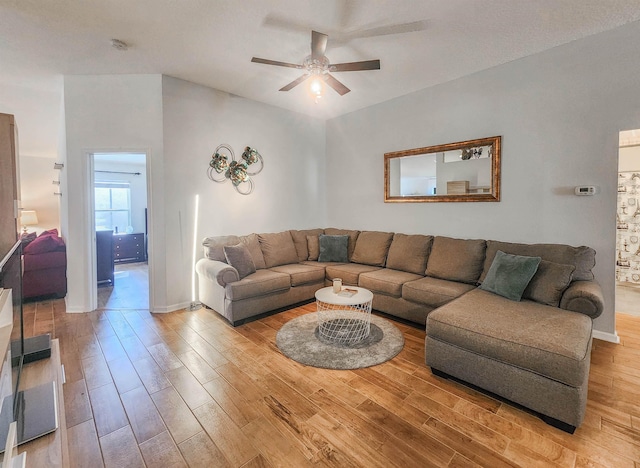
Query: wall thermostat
[586,190]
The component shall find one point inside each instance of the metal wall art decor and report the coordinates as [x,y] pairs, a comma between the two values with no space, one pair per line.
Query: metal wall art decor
[223,166]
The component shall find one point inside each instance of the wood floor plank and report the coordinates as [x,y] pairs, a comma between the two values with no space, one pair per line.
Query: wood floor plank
[134,348]
[273,445]
[107,409]
[188,387]
[144,419]
[124,374]
[237,407]
[111,348]
[200,452]
[231,441]
[77,406]
[120,449]
[96,372]
[164,357]
[84,448]
[180,421]
[365,429]
[346,442]
[151,375]
[161,450]
[88,346]
[426,445]
[550,450]
[198,366]
[458,421]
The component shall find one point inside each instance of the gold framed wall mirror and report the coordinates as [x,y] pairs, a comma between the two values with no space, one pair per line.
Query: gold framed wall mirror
[466,171]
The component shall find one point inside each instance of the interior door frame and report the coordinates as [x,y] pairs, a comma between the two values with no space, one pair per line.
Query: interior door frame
[91,238]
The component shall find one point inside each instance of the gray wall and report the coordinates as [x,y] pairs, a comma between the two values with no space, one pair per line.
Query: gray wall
[559,113]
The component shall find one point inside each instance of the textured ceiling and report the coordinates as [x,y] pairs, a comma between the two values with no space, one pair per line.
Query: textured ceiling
[211,42]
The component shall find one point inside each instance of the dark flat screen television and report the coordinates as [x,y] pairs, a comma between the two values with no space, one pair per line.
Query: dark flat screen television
[34,409]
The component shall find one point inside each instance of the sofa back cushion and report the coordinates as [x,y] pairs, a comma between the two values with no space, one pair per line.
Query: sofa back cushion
[583,258]
[409,253]
[372,248]
[46,242]
[213,246]
[278,248]
[313,244]
[300,242]
[456,259]
[253,245]
[549,283]
[353,236]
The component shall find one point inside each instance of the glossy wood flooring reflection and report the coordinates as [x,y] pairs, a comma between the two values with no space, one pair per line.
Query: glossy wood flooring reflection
[186,389]
[130,289]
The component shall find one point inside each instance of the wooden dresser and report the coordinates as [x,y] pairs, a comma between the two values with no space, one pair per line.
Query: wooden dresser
[129,248]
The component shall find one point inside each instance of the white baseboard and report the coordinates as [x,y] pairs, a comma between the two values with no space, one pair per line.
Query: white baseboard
[611,337]
[73,310]
[171,308]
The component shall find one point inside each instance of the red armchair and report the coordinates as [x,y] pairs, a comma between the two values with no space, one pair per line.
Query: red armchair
[45,266]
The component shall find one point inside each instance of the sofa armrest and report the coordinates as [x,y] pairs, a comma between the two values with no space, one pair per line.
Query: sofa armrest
[584,297]
[217,271]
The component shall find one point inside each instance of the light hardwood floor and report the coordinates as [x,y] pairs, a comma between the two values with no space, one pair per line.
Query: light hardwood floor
[187,389]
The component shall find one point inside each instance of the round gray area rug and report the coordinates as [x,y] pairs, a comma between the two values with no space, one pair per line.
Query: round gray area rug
[298,340]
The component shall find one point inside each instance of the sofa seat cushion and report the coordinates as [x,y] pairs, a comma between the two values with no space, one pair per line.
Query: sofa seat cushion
[260,283]
[386,281]
[434,292]
[545,340]
[348,272]
[301,274]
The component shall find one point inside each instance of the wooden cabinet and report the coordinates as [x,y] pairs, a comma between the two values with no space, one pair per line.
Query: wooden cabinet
[129,248]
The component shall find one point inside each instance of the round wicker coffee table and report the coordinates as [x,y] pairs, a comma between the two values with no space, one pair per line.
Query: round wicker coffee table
[344,320]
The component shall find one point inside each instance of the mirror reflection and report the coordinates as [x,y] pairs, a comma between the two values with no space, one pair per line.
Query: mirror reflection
[463,171]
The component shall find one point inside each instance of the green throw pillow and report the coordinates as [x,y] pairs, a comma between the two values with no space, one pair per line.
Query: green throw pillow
[333,248]
[509,275]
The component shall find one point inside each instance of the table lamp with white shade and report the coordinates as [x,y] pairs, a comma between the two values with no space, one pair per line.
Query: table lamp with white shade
[28,218]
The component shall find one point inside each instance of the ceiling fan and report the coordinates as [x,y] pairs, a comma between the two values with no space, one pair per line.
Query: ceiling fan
[317,67]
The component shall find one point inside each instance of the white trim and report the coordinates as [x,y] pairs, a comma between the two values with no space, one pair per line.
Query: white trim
[611,337]
[171,308]
[89,156]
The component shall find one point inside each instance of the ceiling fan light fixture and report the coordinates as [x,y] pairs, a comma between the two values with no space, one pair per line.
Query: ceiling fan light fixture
[317,87]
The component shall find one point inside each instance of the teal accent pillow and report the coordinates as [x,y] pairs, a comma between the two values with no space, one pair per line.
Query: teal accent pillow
[509,275]
[333,248]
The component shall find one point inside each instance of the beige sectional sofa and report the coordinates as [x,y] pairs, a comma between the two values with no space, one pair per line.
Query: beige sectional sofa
[535,352]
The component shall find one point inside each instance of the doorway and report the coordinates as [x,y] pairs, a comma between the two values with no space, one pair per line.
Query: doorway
[628,224]
[120,228]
